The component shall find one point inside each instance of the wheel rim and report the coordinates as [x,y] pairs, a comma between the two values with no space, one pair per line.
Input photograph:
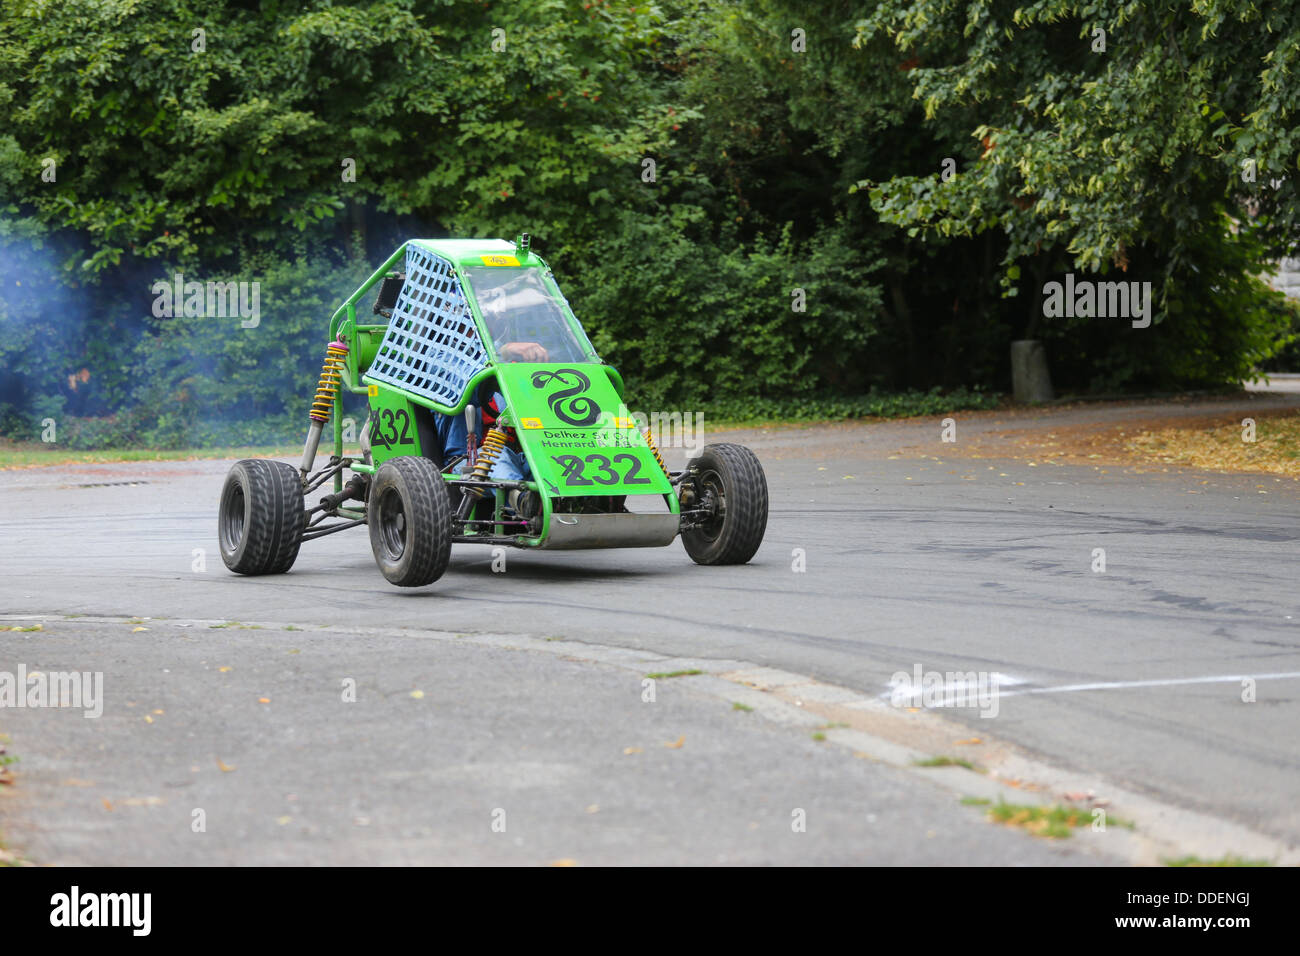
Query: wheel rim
[712,492]
[233,506]
[392,525]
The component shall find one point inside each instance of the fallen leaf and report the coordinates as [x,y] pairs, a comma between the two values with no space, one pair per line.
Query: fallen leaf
[107,806]
[263,700]
[677,744]
[594,808]
[631,750]
[224,669]
[564,862]
[418,694]
[148,719]
[223,767]
[134,629]
[968,742]
[283,820]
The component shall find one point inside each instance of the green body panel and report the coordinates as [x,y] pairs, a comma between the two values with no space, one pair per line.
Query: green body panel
[393,428]
[576,433]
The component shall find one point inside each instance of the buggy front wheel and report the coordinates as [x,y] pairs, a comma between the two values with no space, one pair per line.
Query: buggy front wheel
[409,514]
[727,489]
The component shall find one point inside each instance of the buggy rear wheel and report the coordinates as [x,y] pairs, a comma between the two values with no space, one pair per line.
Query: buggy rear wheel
[409,513]
[260,519]
[729,486]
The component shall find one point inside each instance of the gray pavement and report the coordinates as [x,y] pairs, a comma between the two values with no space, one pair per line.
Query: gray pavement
[1132,676]
[502,757]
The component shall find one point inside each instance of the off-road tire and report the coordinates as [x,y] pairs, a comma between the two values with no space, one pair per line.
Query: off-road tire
[734,536]
[409,514]
[260,517]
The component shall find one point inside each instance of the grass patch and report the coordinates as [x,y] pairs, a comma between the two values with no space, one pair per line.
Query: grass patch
[665,674]
[1229,860]
[9,858]
[33,627]
[242,627]
[819,736]
[944,762]
[6,779]
[39,455]
[1054,822]
[749,412]
[975,801]
[1275,450]
[737,705]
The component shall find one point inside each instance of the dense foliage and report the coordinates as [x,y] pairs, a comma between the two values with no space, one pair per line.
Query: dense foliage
[798,244]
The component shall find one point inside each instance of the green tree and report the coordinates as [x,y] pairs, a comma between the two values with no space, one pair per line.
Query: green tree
[1138,138]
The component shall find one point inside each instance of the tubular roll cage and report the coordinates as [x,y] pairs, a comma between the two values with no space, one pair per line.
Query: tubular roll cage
[345,327]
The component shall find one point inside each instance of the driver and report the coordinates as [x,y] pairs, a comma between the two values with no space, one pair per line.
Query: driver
[522,352]
[510,464]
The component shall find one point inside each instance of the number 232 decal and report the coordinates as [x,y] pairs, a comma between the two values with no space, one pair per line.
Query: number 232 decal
[602,473]
[385,419]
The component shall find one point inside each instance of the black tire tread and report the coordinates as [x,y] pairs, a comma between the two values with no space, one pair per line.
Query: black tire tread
[275,519]
[428,514]
[747,500]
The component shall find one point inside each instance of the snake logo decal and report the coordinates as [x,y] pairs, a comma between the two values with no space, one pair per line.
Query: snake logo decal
[565,403]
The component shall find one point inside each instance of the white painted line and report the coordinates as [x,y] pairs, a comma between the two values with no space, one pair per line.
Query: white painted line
[1165,682]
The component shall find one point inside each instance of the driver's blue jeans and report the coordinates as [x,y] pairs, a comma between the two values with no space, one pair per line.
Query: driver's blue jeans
[509,466]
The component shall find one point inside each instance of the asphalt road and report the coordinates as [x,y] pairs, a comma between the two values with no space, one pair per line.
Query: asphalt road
[1132,675]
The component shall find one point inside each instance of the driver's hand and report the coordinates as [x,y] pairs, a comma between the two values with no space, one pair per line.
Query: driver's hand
[522,352]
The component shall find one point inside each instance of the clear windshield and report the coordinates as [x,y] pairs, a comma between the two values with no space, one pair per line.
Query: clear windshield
[525,321]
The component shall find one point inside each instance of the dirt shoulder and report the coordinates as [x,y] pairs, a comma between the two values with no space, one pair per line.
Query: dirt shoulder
[1256,432]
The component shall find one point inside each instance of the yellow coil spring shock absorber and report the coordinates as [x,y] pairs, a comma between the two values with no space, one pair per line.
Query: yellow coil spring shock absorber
[487,455]
[331,378]
[654,449]
[492,446]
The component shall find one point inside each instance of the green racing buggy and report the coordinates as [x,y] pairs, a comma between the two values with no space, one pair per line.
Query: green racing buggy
[492,420]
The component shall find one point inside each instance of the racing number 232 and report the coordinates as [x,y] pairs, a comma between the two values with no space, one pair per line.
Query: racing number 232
[387,420]
[602,472]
